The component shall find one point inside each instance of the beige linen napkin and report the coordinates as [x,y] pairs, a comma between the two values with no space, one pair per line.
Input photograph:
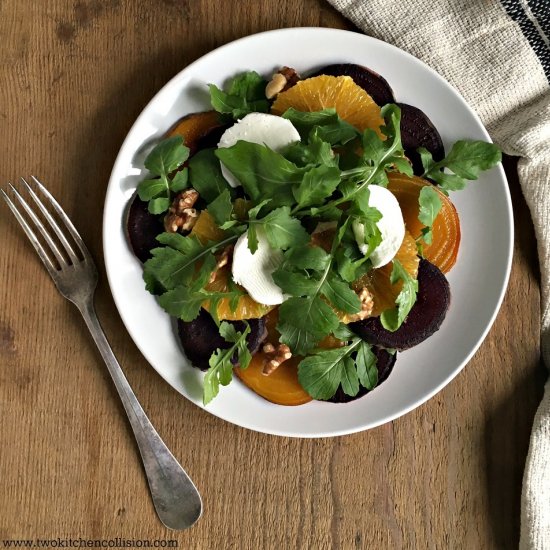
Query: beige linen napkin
[497,54]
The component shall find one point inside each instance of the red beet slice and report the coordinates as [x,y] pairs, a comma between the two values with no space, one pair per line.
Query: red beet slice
[200,338]
[142,227]
[417,130]
[425,318]
[384,365]
[374,84]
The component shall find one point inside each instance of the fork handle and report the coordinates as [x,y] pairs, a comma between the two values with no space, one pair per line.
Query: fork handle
[176,499]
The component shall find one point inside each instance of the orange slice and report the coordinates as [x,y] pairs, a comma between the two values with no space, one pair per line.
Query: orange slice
[351,102]
[446,228]
[247,308]
[205,228]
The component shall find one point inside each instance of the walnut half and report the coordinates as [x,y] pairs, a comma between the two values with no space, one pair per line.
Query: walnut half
[181,215]
[275,356]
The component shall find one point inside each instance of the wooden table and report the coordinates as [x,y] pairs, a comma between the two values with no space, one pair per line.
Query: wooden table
[73,77]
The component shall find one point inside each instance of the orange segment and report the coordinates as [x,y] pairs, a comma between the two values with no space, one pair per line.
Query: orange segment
[246,308]
[351,102]
[378,280]
[446,228]
[205,228]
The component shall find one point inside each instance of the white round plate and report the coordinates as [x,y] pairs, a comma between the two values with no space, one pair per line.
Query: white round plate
[478,280]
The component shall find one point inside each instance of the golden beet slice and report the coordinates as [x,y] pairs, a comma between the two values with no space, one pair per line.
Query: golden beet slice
[446,228]
[199,130]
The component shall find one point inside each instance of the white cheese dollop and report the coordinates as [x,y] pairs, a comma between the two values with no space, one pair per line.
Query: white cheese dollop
[260,128]
[392,226]
[253,271]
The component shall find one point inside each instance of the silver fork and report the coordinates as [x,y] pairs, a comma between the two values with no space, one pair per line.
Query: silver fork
[70,265]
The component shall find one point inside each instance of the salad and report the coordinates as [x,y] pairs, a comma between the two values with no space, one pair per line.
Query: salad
[300,230]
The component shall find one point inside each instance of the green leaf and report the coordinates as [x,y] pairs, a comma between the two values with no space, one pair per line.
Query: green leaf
[149,189]
[180,181]
[325,125]
[167,156]
[294,284]
[221,208]
[342,332]
[430,206]
[313,153]
[466,160]
[249,85]
[221,367]
[158,205]
[392,319]
[182,302]
[366,366]
[263,173]
[174,265]
[340,295]
[321,373]
[245,94]
[303,322]
[317,185]
[308,257]
[252,238]
[205,175]
[282,230]
[349,378]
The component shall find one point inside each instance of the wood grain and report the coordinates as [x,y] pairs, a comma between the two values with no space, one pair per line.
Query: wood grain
[74,76]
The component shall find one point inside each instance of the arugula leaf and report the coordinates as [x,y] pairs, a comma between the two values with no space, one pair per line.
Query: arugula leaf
[150,188]
[245,94]
[323,372]
[158,205]
[308,257]
[366,366]
[466,160]
[180,181]
[430,206]
[221,366]
[313,153]
[182,302]
[392,319]
[205,175]
[221,208]
[294,283]
[303,322]
[340,295]
[263,173]
[317,184]
[281,230]
[167,156]
[174,265]
[377,157]
[326,125]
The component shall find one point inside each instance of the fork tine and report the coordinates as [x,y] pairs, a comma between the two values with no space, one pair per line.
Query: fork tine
[53,247]
[53,224]
[30,234]
[68,223]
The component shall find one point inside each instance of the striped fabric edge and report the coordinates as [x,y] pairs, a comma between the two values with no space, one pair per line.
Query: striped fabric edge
[533,18]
